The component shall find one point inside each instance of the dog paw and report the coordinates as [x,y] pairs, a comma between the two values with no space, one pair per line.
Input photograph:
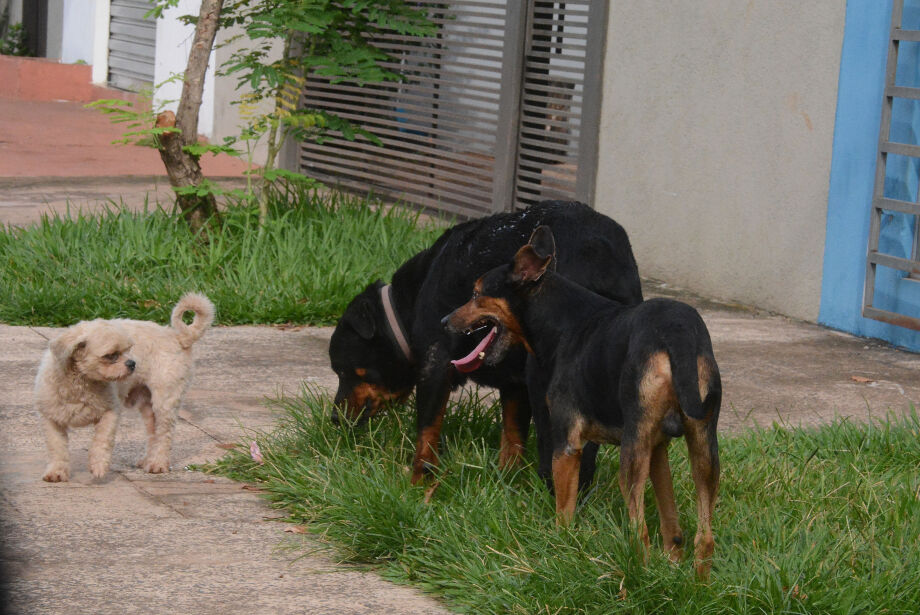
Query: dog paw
[56,474]
[510,456]
[155,466]
[98,468]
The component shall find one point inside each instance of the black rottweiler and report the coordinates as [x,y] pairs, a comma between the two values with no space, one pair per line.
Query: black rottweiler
[390,338]
[636,376]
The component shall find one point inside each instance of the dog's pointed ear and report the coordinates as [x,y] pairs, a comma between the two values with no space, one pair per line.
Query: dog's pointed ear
[532,260]
[67,343]
[543,242]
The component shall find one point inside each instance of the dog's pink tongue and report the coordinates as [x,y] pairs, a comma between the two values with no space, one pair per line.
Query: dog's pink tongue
[473,361]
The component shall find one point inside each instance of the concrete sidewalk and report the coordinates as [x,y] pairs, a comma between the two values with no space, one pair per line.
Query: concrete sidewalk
[181,542]
[188,543]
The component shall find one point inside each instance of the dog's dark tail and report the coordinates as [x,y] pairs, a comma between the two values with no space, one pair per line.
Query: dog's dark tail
[693,372]
[204,316]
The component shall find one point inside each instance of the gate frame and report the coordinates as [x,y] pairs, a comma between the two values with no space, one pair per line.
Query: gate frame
[879,201]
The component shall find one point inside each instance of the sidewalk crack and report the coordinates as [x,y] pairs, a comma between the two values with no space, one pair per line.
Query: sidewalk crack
[201,429]
[150,496]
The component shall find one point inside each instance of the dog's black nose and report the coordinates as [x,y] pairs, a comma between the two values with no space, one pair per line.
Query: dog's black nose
[444,321]
[130,364]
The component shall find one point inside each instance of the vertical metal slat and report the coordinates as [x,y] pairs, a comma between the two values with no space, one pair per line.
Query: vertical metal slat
[509,108]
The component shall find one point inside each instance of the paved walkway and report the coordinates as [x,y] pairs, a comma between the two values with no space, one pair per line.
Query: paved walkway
[187,543]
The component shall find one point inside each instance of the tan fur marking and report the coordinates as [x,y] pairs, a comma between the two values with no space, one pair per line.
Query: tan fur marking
[365,392]
[706,477]
[501,311]
[478,308]
[656,398]
[426,447]
[704,370]
[512,446]
[663,484]
[635,461]
[565,480]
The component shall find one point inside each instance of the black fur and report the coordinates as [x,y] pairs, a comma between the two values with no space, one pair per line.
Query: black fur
[589,347]
[592,249]
[608,372]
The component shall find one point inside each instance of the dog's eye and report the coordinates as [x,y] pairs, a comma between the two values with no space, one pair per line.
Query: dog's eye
[112,357]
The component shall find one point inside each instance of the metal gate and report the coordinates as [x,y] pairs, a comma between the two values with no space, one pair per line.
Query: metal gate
[893,258]
[132,45]
[494,112]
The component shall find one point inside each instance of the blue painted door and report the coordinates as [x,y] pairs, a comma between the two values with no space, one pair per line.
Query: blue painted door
[856,188]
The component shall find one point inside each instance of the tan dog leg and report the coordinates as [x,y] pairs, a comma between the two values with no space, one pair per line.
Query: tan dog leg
[634,471]
[164,410]
[672,538]
[58,469]
[705,470]
[565,481]
[512,445]
[100,451]
[426,446]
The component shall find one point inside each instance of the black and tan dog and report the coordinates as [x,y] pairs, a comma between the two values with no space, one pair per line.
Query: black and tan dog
[636,376]
[390,338]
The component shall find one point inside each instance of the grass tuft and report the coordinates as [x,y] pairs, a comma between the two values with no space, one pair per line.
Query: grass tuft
[304,266]
[818,520]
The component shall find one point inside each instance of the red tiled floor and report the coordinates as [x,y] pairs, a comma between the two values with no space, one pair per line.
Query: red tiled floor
[64,139]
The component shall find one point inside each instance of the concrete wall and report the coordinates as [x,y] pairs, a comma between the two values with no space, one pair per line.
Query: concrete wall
[715,147]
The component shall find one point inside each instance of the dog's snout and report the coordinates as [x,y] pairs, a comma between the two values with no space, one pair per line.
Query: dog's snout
[130,364]
[446,320]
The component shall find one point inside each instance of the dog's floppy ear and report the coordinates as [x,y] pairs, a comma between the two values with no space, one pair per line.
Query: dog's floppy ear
[360,315]
[532,260]
[67,343]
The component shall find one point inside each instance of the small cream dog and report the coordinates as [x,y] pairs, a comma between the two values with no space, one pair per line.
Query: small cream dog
[96,367]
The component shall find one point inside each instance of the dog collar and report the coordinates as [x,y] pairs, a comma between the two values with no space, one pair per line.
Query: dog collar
[396,329]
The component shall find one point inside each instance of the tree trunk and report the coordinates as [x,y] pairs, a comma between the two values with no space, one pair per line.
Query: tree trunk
[183,168]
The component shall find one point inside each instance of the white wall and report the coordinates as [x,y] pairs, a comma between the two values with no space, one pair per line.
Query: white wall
[100,61]
[79,31]
[15,7]
[85,35]
[716,134]
[174,41]
[230,118]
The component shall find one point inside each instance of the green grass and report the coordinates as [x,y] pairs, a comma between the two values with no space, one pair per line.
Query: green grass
[823,520]
[304,267]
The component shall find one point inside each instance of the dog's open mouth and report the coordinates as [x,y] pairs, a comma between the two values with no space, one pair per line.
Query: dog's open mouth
[477,356]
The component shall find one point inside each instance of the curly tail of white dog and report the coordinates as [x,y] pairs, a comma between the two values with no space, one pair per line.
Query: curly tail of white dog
[204,316]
